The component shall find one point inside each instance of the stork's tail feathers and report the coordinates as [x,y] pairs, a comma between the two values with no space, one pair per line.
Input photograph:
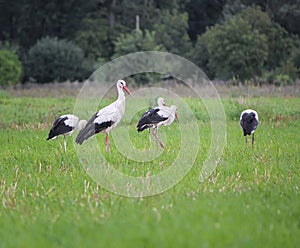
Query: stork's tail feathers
[84,134]
[51,135]
[142,128]
[91,129]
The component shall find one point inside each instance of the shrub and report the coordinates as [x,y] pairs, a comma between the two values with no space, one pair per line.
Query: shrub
[10,68]
[51,60]
[286,74]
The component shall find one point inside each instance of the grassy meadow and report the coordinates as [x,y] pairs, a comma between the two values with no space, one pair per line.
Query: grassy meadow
[251,200]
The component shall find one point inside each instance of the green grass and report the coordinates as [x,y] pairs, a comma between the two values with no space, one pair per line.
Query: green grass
[251,200]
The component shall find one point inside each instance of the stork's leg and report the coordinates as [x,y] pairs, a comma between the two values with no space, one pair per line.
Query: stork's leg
[246,141]
[107,143]
[156,138]
[149,135]
[154,133]
[65,143]
[252,140]
[58,141]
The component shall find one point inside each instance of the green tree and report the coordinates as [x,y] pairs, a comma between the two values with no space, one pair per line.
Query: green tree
[279,43]
[136,41]
[94,37]
[171,31]
[296,58]
[231,8]
[200,56]
[10,68]
[61,19]
[235,50]
[148,10]
[286,13]
[202,14]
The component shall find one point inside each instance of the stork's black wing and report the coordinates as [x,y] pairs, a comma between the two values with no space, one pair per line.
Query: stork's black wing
[87,131]
[248,123]
[91,128]
[59,127]
[149,118]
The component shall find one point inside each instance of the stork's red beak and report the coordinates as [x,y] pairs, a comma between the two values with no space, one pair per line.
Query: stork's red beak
[127,90]
[176,116]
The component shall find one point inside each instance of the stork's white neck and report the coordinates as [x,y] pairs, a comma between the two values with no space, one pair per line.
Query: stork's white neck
[121,94]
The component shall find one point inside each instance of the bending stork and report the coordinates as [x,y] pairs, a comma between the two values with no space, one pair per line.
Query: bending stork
[249,123]
[65,125]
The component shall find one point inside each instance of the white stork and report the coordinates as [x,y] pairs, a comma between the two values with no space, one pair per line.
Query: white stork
[155,117]
[161,102]
[249,123]
[65,125]
[107,118]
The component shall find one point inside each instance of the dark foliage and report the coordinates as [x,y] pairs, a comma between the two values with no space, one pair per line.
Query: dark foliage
[51,59]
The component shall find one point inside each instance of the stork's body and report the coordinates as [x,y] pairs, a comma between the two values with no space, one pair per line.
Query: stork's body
[249,123]
[160,102]
[65,125]
[107,118]
[155,117]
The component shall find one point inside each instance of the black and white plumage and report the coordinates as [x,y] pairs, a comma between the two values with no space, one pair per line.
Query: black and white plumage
[155,117]
[160,102]
[107,118]
[249,123]
[65,125]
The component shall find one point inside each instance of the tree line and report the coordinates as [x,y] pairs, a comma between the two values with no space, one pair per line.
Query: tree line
[236,40]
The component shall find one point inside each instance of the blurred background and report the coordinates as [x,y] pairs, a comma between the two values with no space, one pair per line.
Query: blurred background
[236,41]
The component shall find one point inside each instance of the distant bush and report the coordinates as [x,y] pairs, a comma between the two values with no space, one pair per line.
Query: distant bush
[286,74]
[4,94]
[51,59]
[10,68]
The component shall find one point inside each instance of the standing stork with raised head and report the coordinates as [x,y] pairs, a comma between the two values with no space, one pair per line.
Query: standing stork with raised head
[249,123]
[155,117]
[107,118]
[65,125]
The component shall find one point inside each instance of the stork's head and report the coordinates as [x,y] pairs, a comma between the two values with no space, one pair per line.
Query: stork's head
[122,85]
[161,102]
[174,111]
[81,124]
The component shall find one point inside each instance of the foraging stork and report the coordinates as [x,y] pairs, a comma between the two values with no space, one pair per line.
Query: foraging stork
[107,118]
[249,123]
[155,117]
[65,125]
